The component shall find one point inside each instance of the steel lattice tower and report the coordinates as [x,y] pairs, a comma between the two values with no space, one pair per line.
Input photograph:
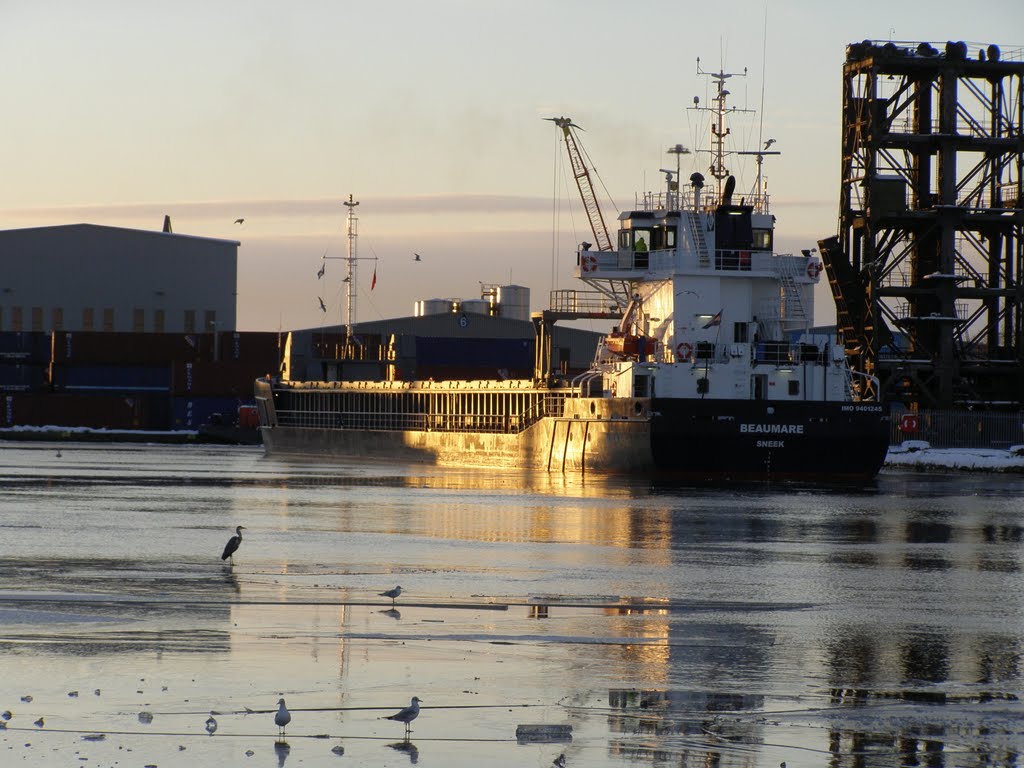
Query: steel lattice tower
[927,268]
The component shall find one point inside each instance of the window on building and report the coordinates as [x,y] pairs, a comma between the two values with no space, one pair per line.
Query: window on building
[210,322]
[88,319]
[37,318]
[158,320]
[58,318]
[739,332]
[108,319]
[138,320]
[17,321]
[190,321]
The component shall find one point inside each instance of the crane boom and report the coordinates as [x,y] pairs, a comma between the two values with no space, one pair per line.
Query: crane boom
[584,183]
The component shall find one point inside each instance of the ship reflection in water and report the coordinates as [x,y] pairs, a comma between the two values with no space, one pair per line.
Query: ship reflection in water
[666,625]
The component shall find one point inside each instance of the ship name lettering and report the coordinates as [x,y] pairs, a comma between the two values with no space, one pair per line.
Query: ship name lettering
[772,429]
[771,443]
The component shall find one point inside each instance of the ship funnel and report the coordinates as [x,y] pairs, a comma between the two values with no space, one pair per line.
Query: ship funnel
[730,187]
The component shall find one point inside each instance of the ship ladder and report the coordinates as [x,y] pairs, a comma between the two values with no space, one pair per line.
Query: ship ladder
[792,301]
[697,228]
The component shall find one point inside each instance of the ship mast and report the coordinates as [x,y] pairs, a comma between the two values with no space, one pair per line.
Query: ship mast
[719,129]
[350,265]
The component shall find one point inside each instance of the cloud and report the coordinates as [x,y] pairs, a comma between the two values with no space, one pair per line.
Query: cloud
[283,208]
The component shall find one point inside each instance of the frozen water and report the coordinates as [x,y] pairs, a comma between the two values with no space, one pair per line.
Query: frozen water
[744,626]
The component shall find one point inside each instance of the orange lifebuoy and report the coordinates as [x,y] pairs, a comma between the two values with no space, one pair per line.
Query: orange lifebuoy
[684,350]
[588,262]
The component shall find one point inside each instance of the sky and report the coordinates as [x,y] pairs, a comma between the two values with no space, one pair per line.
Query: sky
[119,112]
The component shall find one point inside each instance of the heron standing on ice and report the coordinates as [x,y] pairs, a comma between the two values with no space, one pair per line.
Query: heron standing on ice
[407,715]
[282,718]
[233,544]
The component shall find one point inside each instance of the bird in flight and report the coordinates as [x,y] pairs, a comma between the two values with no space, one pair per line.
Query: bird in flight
[323,267]
[416,257]
[239,221]
[392,593]
[323,307]
[407,714]
[233,544]
[769,143]
[282,718]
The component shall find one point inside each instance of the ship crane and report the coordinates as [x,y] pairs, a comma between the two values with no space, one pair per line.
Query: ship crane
[618,291]
[583,182]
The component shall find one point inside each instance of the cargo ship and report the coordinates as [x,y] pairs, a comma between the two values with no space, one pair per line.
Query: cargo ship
[710,371]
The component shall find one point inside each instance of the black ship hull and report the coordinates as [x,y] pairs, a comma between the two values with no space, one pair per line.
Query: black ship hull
[754,439]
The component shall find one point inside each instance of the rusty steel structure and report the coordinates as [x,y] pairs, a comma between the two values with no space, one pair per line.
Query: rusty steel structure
[928,268]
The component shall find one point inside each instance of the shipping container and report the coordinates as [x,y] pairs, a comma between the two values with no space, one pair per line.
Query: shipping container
[194,412]
[262,349]
[96,411]
[114,378]
[25,347]
[19,377]
[228,377]
[92,347]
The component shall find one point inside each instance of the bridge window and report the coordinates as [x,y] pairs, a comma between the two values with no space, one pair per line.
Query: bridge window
[762,239]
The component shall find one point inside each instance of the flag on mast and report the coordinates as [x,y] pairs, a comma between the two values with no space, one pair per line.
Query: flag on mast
[373,282]
[716,320]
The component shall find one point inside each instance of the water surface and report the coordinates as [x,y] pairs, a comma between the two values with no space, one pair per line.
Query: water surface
[667,625]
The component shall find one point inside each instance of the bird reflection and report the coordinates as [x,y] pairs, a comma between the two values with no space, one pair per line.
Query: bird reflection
[409,748]
[231,580]
[281,749]
[394,613]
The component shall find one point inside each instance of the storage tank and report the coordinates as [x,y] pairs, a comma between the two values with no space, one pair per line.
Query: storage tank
[425,307]
[514,301]
[475,306]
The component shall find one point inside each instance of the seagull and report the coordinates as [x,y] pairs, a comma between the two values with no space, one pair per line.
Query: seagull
[323,268]
[559,762]
[239,221]
[211,725]
[769,143]
[323,307]
[407,715]
[40,722]
[392,593]
[233,544]
[282,718]
[416,257]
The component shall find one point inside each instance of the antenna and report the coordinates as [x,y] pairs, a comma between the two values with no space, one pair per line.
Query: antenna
[719,129]
[350,264]
[678,150]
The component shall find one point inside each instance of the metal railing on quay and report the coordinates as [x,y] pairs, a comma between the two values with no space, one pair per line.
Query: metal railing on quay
[959,429]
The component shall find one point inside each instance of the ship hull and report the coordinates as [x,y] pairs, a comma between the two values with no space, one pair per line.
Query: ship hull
[769,439]
[697,439]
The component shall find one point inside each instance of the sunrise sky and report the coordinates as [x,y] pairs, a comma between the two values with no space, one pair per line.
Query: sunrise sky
[119,112]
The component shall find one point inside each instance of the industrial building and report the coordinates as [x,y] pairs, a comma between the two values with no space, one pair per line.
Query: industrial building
[492,337]
[86,277]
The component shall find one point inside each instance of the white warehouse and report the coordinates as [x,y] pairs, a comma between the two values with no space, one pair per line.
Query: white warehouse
[86,277]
